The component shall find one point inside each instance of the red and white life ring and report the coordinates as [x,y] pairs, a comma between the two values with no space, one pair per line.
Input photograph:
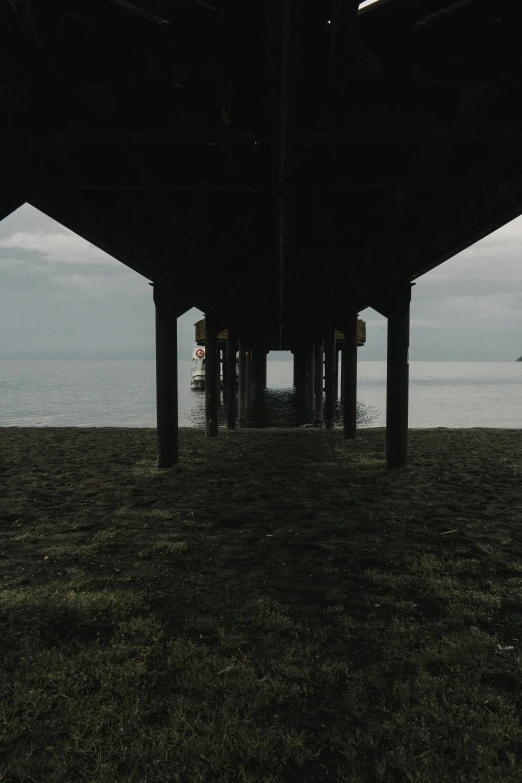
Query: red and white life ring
[200,353]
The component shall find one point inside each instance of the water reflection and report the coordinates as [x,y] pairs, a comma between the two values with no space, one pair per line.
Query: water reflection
[275,408]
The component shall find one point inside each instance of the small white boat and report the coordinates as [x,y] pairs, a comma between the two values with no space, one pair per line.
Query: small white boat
[197,373]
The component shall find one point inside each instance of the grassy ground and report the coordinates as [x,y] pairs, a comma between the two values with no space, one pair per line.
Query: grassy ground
[278,608]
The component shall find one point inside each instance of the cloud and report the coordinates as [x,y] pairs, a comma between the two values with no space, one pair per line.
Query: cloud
[56,247]
[71,281]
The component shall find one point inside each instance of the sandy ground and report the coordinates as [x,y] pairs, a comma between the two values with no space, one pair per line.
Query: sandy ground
[280,604]
[272,490]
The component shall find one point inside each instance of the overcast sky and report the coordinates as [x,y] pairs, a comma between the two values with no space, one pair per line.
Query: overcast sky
[60,297]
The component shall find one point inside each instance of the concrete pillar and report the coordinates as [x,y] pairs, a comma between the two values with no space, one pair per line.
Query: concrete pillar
[397,384]
[298,370]
[349,375]
[264,371]
[342,356]
[224,373]
[260,359]
[231,381]
[248,380]
[211,376]
[166,376]
[337,349]
[318,381]
[309,375]
[329,355]
[242,382]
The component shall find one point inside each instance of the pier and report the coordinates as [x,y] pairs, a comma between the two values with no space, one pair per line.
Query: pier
[311,379]
[280,166]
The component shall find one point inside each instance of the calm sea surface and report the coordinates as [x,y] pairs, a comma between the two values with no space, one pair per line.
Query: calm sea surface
[122,394]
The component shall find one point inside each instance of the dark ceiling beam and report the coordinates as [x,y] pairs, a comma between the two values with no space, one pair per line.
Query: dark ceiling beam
[279,17]
[342,25]
[10,204]
[60,207]
[138,11]
[24,11]
[471,230]
[444,13]
[384,132]
[366,182]
[102,139]
[160,188]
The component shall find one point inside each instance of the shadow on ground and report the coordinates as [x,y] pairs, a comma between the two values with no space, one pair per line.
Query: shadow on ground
[279,607]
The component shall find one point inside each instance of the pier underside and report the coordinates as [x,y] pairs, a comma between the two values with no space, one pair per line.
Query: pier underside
[279,165]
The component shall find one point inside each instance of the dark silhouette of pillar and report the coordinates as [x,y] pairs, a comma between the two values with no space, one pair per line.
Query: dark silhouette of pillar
[211,376]
[298,370]
[264,373]
[318,381]
[260,355]
[337,350]
[330,396]
[397,382]
[309,375]
[224,373]
[248,380]
[342,355]
[349,375]
[166,376]
[242,382]
[231,380]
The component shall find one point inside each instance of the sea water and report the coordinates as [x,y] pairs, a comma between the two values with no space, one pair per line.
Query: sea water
[80,393]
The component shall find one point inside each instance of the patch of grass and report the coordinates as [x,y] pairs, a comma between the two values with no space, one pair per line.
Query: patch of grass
[270,627]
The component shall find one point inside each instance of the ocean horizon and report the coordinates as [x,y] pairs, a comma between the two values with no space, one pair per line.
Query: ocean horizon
[122,393]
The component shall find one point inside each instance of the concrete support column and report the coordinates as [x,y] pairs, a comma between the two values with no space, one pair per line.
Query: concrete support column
[318,381]
[329,355]
[242,382]
[337,351]
[265,370]
[225,370]
[260,358]
[342,357]
[231,380]
[309,375]
[298,370]
[211,376]
[397,384]
[166,376]
[349,375]
[248,380]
